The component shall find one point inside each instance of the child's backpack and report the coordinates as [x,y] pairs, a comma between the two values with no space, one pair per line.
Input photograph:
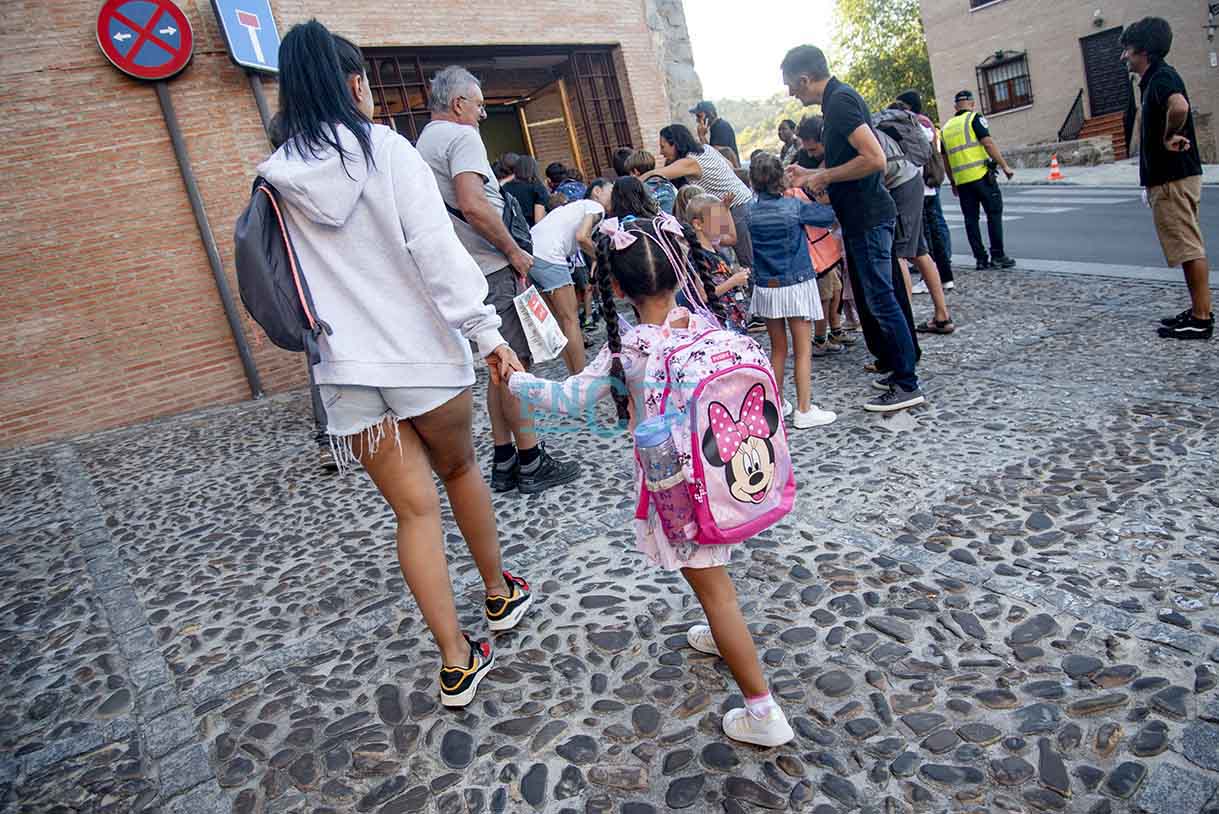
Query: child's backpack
[732,442]
[824,250]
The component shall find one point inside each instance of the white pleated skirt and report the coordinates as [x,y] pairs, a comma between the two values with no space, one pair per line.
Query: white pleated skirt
[801,300]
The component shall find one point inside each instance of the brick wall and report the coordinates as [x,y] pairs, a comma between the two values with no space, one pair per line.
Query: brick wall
[958,39]
[110,302]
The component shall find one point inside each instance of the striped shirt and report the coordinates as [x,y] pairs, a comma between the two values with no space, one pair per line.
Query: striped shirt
[719,178]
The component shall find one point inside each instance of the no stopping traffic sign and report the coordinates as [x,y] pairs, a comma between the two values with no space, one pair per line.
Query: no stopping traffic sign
[147,39]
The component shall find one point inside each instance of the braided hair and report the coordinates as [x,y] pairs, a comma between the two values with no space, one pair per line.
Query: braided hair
[655,263]
[701,260]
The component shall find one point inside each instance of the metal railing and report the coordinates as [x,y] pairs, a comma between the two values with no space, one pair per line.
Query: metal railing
[1075,120]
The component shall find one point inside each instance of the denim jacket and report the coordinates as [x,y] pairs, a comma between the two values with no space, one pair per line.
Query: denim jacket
[780,256]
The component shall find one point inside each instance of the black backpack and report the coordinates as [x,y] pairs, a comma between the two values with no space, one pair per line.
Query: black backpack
[903,127]
[514,221]
[269,276]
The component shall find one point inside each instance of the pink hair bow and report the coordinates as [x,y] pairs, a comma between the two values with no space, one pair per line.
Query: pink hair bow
[670,224]
[619,237]
[730,433]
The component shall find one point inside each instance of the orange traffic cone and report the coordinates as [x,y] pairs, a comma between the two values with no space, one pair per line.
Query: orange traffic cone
[1055,175]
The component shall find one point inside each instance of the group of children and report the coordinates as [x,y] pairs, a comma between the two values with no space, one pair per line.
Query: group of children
[678,273]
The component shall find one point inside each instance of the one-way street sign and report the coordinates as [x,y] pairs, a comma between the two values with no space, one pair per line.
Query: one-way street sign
[250,33]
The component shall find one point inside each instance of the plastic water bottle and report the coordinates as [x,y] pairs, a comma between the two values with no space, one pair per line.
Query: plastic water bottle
[665,480]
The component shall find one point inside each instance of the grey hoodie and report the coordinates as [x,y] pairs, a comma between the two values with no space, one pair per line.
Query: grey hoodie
[386,270]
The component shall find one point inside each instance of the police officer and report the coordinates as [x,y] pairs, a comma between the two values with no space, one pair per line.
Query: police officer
[973,160]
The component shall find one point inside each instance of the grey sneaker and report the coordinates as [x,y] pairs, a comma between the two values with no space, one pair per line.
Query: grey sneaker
[896,399]
[884,384]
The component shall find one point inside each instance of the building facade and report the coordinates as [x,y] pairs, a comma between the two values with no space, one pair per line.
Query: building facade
[113,312]
[1033,63]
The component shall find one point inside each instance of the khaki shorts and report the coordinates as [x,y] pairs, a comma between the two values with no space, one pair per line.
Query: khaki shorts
[1174,207]
[828,286]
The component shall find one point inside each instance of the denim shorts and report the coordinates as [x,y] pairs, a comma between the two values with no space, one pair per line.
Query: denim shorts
[374,412]
[549,276]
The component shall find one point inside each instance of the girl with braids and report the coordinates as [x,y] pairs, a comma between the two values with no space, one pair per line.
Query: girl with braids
[645,261]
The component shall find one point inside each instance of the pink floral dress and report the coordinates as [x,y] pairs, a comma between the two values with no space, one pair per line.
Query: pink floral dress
[575,396]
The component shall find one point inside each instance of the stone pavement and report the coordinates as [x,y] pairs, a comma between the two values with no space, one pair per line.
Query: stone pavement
[1005,601]
[1116,174]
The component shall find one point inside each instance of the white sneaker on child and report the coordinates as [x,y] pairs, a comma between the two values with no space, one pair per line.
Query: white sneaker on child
[773,730]
[815,417]
[700,639]
[920,287]
[787,408]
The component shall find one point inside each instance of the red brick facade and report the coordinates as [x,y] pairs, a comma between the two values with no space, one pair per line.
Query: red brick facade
[112,312]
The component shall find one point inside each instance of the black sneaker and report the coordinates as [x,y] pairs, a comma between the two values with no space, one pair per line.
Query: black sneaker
[505,612]
[458,684]
[506,476]
[547,472]
[1002,262]
[896,399]
[1190,328]
[983,265]
[1173,322]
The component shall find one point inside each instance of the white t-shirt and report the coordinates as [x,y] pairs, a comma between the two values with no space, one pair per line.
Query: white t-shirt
[554,236]
[451,149]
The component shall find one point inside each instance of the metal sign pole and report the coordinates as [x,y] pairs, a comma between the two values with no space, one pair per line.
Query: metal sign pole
[260,98]
[209,240]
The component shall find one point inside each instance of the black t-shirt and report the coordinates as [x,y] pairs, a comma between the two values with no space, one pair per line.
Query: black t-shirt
[807,161]
[1156,164]
[864,203]
[721,134]
[527,195]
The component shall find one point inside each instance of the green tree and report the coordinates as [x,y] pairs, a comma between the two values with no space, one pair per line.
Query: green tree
[884,51]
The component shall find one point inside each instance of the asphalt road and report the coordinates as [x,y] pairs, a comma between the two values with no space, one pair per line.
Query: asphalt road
[1082,224]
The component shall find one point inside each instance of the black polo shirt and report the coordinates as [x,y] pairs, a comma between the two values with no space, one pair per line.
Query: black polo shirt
[864,203]
[721,134]
[1157,165]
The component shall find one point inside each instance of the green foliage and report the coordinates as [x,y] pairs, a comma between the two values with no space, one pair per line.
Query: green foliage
[756,121]
[885,51]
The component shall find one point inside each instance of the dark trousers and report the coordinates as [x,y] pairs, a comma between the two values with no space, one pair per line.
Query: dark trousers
[983,193]
[939,239]
[882,303]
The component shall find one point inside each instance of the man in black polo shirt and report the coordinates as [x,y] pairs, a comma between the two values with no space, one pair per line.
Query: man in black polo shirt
[712,129]
[1170,168]
[853,173]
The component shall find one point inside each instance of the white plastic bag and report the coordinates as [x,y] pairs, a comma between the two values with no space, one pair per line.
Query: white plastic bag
[546,338]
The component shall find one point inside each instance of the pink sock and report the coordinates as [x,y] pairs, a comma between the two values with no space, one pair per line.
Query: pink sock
[759,706]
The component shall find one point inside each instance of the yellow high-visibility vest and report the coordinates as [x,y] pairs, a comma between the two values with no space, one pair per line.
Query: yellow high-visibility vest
[966,156]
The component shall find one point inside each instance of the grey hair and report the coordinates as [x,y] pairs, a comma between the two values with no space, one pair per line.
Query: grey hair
[449,84]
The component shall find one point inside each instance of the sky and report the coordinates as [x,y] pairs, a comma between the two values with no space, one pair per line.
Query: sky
[738,44]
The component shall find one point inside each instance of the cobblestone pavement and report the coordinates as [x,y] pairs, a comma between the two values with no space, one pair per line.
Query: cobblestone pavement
[1005,601]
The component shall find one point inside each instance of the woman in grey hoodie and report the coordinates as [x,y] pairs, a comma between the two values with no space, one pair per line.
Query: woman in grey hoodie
[405,300]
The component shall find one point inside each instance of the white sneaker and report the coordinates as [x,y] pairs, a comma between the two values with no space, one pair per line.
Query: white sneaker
[920,287]
[700,639]
[815,417]
[773,730]
[950,285]
[787,408]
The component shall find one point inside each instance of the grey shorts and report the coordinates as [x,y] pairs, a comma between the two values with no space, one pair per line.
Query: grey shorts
[908,239]
[502,286]
[549,276]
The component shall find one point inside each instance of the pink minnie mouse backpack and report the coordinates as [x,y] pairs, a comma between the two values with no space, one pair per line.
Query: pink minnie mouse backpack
[732,440]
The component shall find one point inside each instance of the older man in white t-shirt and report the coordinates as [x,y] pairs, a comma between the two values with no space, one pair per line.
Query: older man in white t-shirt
[452,147]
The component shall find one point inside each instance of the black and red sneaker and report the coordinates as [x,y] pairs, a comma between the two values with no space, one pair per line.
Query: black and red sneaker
[458,684]
[505,612]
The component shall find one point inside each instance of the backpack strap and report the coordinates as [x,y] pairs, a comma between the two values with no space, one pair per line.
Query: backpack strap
[296,277]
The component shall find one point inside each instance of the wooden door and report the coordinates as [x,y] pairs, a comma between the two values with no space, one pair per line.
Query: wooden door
[1107,77]
[549,127]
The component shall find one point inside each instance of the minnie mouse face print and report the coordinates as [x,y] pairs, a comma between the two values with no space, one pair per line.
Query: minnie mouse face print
[742,447]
